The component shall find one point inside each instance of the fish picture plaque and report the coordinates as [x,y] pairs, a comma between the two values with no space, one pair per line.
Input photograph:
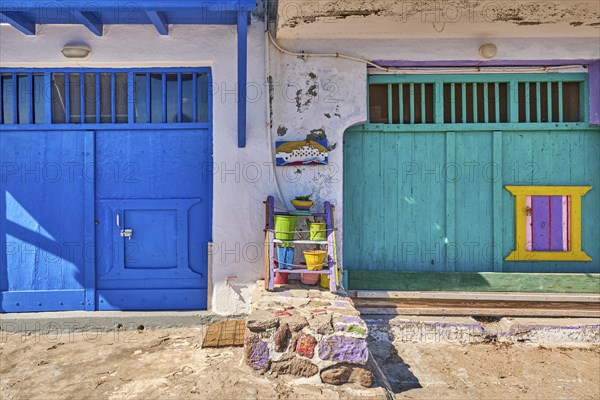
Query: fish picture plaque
[301,152]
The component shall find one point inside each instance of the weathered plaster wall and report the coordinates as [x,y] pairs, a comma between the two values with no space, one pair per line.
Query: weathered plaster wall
[425,18]
[238,194]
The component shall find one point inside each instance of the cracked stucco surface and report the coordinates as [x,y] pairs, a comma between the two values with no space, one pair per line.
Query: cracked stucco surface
[460,18]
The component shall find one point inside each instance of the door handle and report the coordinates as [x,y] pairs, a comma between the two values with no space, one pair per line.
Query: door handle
[118,219]
[128,233]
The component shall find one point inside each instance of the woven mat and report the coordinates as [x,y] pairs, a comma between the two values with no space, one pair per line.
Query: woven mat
[225,334]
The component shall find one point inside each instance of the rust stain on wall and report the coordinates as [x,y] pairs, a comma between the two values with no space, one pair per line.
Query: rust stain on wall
[576,13]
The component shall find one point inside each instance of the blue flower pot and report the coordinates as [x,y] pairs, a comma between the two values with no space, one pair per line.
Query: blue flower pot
[285,257]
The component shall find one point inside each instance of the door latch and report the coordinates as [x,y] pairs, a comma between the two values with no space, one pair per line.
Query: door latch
[128,233]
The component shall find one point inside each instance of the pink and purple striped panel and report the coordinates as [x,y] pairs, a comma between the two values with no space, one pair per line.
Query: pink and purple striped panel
[548,225]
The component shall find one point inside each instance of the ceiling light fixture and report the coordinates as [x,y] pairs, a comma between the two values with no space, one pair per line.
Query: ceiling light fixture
[76,50]
[488,50]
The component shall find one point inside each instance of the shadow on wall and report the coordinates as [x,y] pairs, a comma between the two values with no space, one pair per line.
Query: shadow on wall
[389,369]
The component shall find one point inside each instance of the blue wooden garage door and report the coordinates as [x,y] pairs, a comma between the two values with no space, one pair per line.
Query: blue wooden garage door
[160,201]
[42,224]
[106,190]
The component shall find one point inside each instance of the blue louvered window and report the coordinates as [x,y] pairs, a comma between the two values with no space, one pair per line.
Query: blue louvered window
[89,96]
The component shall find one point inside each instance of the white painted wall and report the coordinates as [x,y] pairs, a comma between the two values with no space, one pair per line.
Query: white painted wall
[237,205]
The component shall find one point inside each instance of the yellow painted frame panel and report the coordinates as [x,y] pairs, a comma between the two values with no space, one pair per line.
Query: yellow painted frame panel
[520,253]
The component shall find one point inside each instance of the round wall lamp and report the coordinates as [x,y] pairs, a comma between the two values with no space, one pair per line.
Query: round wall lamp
[488,50]
[76,50]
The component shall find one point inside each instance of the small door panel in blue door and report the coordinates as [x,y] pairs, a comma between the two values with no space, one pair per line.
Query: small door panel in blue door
[153,240]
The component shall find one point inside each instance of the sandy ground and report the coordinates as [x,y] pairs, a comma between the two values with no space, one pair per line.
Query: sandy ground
[170,364]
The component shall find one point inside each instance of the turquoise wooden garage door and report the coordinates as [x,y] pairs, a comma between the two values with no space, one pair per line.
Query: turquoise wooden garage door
[425,180]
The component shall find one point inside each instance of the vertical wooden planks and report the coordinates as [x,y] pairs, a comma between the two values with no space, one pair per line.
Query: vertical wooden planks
[195,97]
[497,202]
[82,97]
[179,98]
[67,97]
[401,102]
[48,97]
[486,111]
[438,102]
[132,97]
[475,111]
[497,102]
[423,114]
[164,97]
[560,102]
[30,97]
[113,98]
[450,239]
[15,99]
[89,199]
[148,98]
[412,103]
[389,105]
[549,95]
[98,93]
[527,103]
[453,103]
[513,101]
[464,102]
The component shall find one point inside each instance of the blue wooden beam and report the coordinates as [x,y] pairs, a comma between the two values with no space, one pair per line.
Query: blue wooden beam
[160,21]
[172,5]
[89,20]
[18,21]
[242,42]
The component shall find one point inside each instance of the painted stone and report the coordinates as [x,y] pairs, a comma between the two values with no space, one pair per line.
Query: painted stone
[342,304]
[282,338]
[295,366]
[347,373]
[351,324]
[295,322]
[351,319]
[306,346]
[321,324]
[260,320]
[256,352]
[283,314]
[344,311]
[319,303]
[294,342]
[342,348]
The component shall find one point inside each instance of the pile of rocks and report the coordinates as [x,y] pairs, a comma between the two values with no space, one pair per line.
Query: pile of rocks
[304,332]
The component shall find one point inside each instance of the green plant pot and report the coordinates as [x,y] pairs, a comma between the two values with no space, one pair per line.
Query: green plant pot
[317,230]
[285,227]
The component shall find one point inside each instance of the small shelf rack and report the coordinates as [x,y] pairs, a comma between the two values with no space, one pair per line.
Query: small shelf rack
[332,268]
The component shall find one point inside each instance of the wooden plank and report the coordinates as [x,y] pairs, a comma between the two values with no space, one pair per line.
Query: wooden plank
[389,108]
[477,304]
[497,194]
[438,102]
[479,312]
[453,104]
[502,296]
[450,200]
[475,282]
[412,103]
